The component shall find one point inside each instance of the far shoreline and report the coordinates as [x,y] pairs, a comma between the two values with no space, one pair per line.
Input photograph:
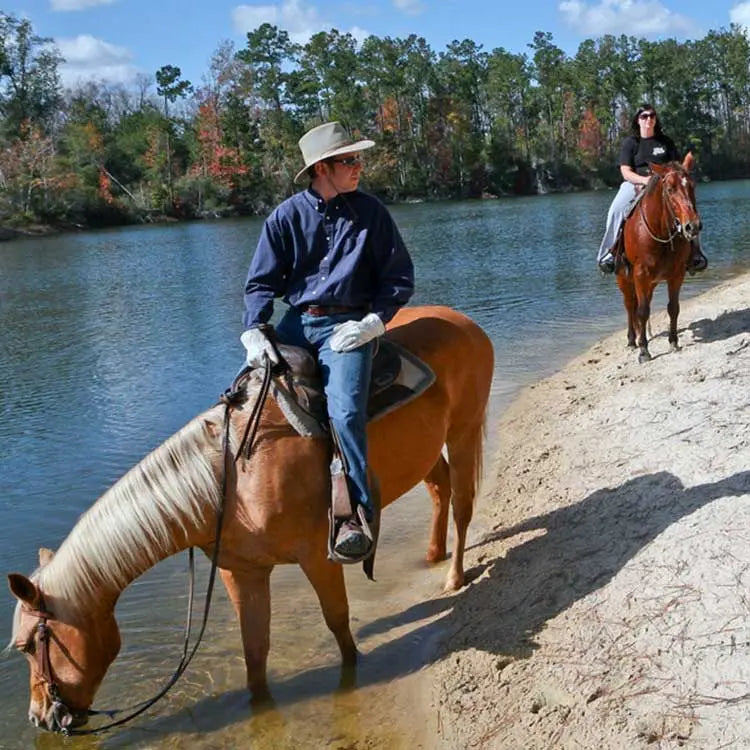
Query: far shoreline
[35,230]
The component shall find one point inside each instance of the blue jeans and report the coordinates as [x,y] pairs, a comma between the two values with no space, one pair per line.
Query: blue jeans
[346,382]
[615,217]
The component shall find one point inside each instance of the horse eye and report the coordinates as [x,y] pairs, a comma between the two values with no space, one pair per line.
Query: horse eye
[29,647]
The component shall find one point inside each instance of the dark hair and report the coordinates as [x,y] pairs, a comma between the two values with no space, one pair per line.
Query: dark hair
[312,172]
[635,128]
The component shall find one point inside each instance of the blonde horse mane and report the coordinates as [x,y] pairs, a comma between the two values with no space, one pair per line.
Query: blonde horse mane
[132,525]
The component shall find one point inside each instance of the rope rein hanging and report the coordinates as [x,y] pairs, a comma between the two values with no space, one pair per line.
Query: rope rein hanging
[229,399]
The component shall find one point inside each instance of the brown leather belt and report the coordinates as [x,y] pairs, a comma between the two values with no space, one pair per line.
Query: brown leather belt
[320,310]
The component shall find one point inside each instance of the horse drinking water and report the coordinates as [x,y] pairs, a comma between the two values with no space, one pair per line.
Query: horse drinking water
[657,240]
[275,511]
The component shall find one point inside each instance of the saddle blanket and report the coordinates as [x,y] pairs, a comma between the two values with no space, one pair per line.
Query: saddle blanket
[398,377]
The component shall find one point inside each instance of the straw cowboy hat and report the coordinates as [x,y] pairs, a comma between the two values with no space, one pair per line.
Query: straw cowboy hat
[329,139]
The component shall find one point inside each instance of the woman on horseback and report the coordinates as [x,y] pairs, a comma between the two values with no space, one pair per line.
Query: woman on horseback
[647,144]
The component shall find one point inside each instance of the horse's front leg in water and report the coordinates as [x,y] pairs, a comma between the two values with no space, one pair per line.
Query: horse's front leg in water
[249,592]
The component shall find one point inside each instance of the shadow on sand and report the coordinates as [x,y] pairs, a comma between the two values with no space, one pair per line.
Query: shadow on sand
[723,327]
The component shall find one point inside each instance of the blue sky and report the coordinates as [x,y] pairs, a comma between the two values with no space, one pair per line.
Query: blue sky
[115,40]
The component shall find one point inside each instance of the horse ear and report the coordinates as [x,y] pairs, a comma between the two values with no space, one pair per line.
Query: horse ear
[213,429]
[657,168]
[22,588]
[688,161]
[45,555]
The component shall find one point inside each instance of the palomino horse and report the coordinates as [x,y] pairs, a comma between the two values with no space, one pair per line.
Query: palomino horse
[275,512]
[657,239]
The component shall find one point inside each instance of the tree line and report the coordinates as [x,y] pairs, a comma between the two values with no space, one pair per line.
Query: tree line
[457,123]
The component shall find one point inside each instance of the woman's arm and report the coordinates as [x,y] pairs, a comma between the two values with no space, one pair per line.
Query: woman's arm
[630,175]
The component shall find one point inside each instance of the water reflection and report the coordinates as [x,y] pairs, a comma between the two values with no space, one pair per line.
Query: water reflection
[112,340]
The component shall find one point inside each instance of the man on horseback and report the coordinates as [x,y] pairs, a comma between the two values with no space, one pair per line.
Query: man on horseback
[646,145]
[335,256]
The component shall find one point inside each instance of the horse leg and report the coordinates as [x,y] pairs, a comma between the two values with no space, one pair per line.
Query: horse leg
[327,579]
[673,308]
[644,293]
[438,483]
[249,592]
[464,461]
[628,296]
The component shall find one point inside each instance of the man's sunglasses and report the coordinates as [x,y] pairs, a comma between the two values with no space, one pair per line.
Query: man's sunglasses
[348,161]
[647,116]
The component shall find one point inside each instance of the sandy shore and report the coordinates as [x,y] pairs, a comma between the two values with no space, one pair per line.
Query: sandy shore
[610,603]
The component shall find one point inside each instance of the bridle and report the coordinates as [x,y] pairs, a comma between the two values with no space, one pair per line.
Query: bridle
[669,208]
[63,716]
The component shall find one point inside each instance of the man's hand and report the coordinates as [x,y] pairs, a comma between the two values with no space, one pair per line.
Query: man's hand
[354,333]
[258,348]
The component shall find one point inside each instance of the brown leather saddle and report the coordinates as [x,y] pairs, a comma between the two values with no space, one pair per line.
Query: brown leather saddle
[398,376]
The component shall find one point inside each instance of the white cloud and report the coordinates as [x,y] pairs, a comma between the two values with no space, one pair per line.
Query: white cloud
[359,33]
[77,4]
[632,17]
[740,14]
[410,7]
[89,58]
[300,19]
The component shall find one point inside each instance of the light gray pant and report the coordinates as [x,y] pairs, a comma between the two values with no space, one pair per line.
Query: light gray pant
[615,216]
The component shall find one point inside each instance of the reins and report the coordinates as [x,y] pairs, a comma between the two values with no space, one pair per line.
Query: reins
[63,715]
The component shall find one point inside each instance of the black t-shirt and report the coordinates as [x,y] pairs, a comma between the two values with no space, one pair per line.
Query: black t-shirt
[638,152]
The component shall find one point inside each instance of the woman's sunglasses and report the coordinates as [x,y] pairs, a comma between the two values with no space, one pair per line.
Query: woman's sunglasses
[647,116]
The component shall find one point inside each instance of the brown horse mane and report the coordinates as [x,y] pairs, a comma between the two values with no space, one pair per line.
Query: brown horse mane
[651,185]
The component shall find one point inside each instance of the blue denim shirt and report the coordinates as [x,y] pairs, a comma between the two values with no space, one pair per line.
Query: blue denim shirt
[347,251]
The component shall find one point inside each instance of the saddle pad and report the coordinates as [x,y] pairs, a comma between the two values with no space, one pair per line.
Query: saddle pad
[302,402]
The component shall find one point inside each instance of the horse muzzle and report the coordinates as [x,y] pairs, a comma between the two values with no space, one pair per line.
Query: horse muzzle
[58,718]
[689,230]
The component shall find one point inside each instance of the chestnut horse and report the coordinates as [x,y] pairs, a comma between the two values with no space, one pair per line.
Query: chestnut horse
[275,512]
[657,245]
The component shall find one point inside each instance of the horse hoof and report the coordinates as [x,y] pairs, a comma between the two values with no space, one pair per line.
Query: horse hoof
[453,583]
[435,555]
[260,697]
[644,357]
[675,348]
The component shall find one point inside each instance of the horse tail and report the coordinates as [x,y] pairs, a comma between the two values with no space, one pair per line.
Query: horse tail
[478,457]
[466,456]
[485,345]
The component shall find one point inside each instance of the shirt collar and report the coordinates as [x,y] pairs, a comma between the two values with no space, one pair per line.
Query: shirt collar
[337,203]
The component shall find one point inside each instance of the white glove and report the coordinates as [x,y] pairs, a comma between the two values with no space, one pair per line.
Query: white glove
[354,333]
[258,347]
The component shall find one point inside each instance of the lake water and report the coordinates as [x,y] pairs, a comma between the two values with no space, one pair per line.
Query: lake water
[111,341]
